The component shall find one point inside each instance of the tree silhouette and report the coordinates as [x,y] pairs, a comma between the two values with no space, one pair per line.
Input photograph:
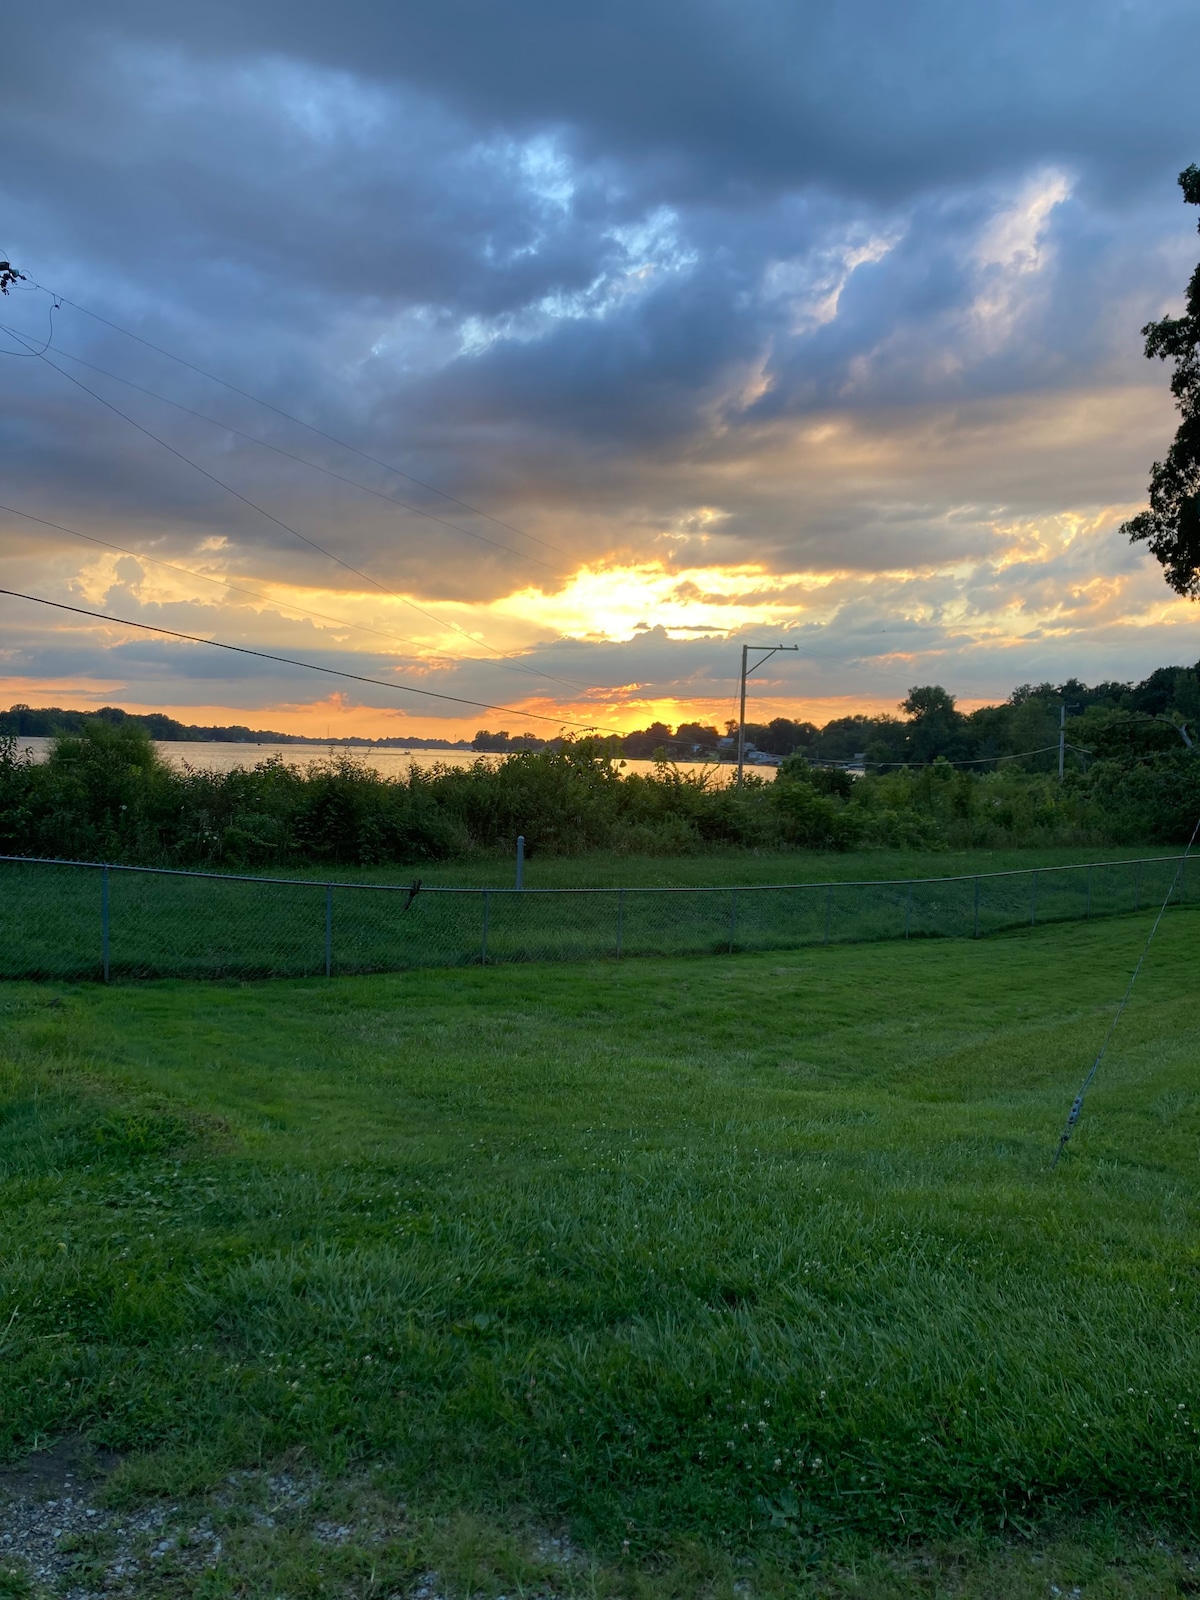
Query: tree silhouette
[1171,527]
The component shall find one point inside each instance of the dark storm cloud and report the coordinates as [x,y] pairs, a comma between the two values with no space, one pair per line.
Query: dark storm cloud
[880,98]
[285,163]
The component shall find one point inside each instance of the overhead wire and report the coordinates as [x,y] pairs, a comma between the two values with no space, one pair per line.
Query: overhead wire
[502,657]
[299,421]
[309,666]
[266,444]
[29,355]
[304,538]
[813,655]
[254,594]
[981,761]
[321,433]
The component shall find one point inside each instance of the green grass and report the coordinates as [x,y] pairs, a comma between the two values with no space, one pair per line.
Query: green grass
[604,869]
[190,926]
[750,1262]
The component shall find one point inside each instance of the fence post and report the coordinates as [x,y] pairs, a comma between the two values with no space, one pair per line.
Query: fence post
[1088,912]
[975,935]
[104,919]
[732,918]
[483,947]
[620,920]
[908,911]
[1033,898]
[1137,888]
[828,910]
[328,930]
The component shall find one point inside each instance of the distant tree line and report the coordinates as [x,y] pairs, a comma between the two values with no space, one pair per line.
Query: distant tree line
[1132,776]
[29,722]
[931,727]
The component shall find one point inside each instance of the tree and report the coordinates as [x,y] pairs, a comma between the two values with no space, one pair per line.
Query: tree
[693,733]
[641,744]
[1171,527]
[780,736]
[927,701]
[935,728]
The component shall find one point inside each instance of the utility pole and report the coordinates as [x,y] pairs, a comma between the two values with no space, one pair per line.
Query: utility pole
[768,651]
[1062,734]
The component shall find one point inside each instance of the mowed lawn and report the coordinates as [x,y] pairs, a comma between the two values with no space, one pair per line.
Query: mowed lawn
[735,1254]
[606,869]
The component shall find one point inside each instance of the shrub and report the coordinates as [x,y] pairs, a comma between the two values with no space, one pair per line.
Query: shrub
[104,794]
[814,820]
[1157,799]
[824,780]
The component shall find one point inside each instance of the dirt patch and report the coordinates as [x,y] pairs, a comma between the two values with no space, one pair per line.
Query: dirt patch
[53,1532]
[65,1468]
[56,1532]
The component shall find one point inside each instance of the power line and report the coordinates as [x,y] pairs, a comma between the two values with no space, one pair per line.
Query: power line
[287,528]
[270,600]
[278,450]
[321,433]
[28,354]
[519,666]
[979,761]
[299,421]
[309,666]
[254,594]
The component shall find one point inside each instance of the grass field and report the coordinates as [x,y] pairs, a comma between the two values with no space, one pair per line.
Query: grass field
[606,869]
[747,1270]
[65,922]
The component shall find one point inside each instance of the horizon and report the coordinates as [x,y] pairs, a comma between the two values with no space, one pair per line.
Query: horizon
[809,328]
[965,707]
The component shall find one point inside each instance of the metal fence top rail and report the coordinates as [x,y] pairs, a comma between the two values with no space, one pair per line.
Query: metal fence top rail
[739,888]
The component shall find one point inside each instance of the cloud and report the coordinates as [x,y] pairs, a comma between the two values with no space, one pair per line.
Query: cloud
[822,319]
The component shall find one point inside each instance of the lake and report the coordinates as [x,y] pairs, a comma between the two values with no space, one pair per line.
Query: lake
[388,762]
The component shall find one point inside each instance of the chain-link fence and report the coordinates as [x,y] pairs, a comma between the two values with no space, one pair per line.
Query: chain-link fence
[65,919]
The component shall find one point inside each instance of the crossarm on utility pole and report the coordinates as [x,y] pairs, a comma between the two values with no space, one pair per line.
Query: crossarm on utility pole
[768,651]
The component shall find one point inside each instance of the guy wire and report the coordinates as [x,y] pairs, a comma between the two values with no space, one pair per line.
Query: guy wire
[1077,1105]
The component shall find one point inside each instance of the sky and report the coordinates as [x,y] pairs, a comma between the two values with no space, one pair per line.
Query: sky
[543,355]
